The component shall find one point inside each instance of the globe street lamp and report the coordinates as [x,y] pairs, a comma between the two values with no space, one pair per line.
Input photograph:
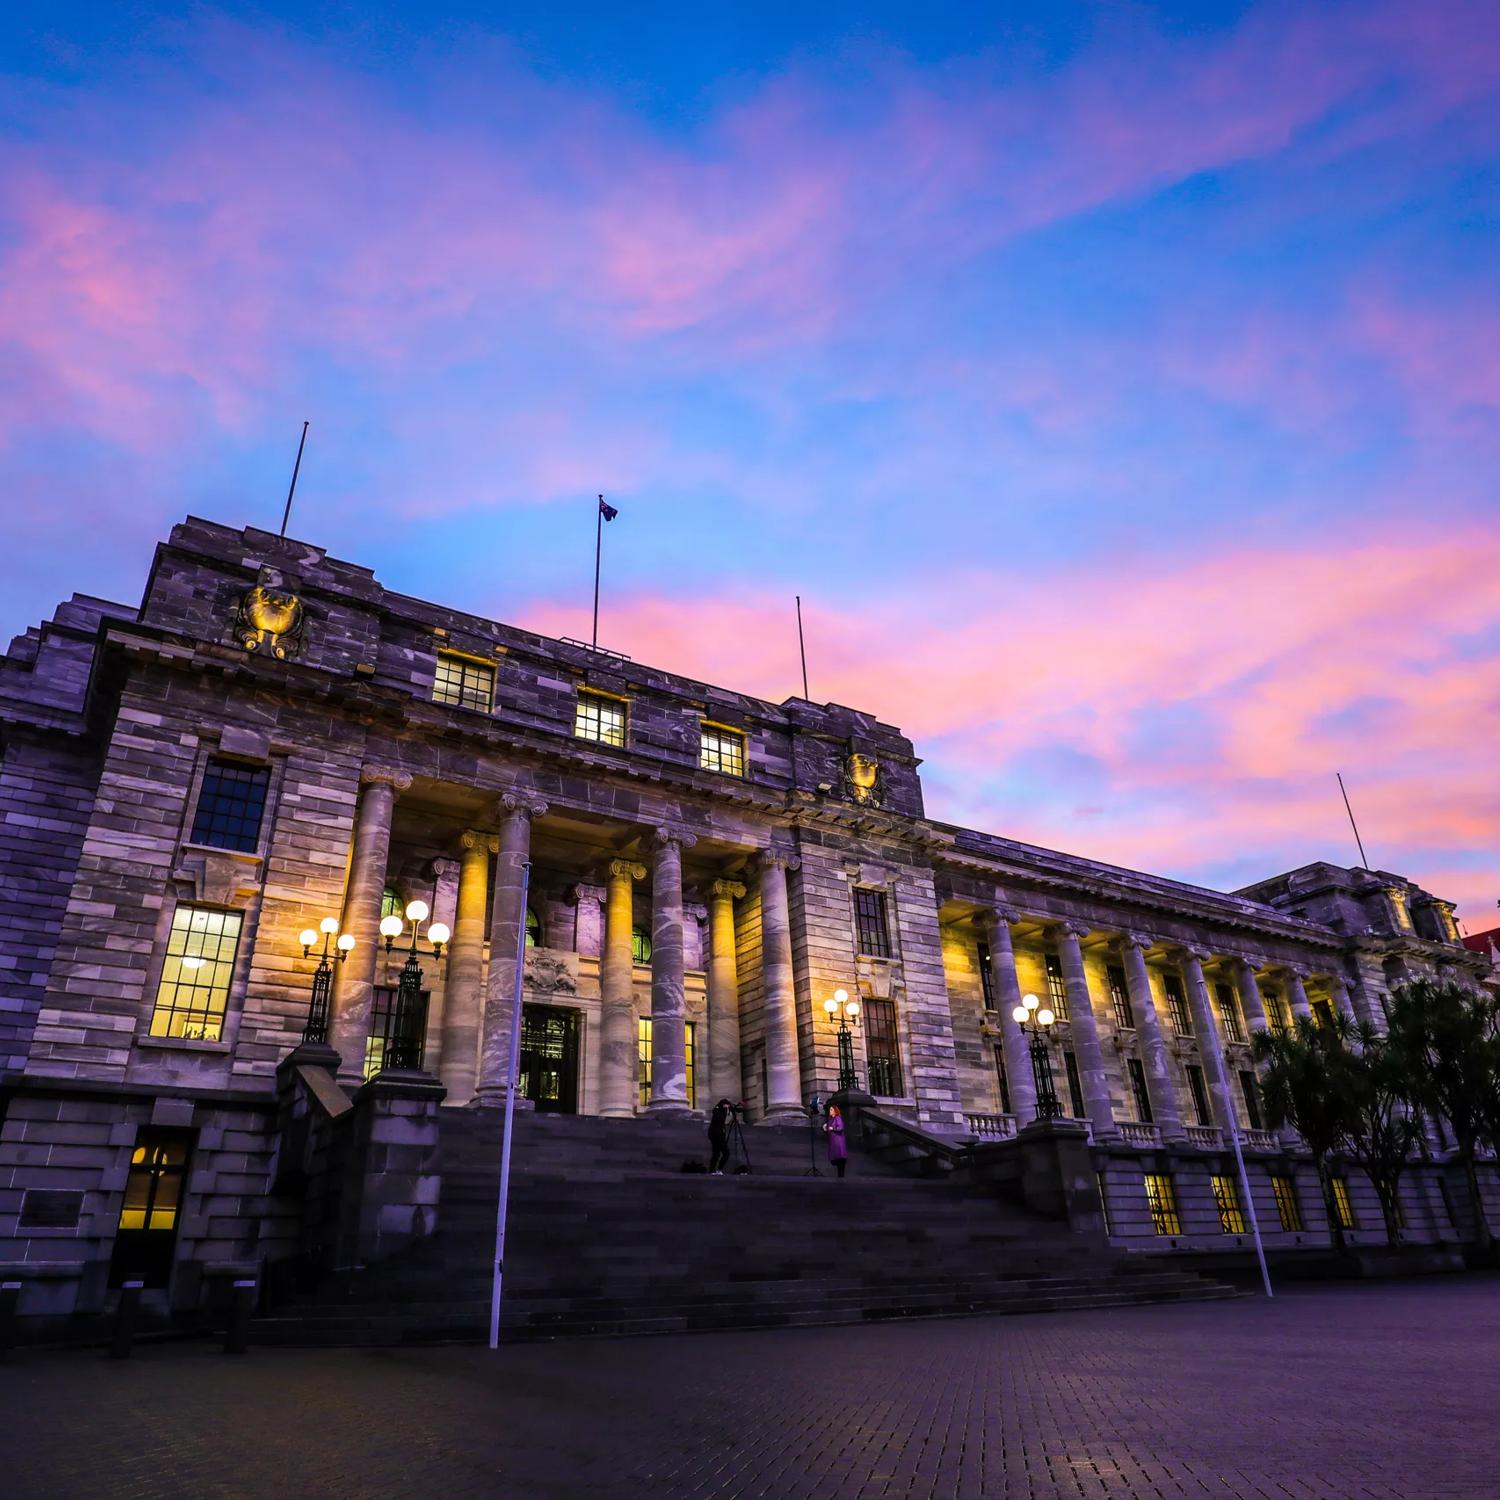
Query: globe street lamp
[846,1012]
[1035,1019]
[403,1046]
[316,1029]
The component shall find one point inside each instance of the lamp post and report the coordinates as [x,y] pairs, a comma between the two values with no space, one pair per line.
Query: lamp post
[316,1029]
[1035,1019]
[403,1045]
[846,1012]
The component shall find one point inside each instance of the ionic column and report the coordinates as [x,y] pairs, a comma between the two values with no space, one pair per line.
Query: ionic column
[783,1066]
[668,999]
[618,1045]
[1153,1041]
[1210,1042]
[1007,991]
[1341,999]
[1251,1004]
[1084,1025]
[1297,992]
[354,979]
[507,930]
[463,997]
[723,993]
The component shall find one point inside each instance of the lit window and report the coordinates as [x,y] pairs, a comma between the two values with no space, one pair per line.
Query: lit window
[882,1048]
[147,1228]
[1177,1011]
[643,1052]
[722,750]
[1227,1200]
[533,929]
[640,946]
[1286,1203]
[1161,1198]
[391,904]
[1322,1012]
[1057,988]
[194,987]
[871,929]
[1278,1016]
[689,1036]
[461,683]
[599,718]
[1229,1012]
[1343,1209]
[1119,994]
[231,803]
[986,978]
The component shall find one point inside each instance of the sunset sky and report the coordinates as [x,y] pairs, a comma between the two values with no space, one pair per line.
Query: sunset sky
[1119,385]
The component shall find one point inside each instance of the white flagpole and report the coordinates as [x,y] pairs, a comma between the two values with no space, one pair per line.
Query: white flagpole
[1239,1161]
[510,1112]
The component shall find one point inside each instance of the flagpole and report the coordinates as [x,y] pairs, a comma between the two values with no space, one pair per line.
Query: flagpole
[598,543]
[286,515]
[802,647]
[1355,826]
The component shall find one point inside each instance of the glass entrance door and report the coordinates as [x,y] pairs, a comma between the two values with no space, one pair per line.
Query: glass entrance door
[549,1058]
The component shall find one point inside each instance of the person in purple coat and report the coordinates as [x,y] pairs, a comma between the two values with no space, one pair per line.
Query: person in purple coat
[838,1148]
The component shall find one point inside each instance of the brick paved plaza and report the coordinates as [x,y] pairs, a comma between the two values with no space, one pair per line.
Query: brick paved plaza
[1350,1391]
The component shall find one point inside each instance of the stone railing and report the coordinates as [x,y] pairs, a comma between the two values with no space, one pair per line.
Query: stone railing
[993,1127]
[1206,1137]
[1138,1133]
[1260,1140]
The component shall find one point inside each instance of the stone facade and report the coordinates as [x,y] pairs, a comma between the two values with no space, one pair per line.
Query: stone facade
[707,882]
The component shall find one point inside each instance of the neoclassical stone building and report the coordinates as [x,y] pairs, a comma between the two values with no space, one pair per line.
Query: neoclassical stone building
[274,738]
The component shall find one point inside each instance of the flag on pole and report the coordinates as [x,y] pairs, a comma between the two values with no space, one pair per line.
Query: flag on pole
[609,512]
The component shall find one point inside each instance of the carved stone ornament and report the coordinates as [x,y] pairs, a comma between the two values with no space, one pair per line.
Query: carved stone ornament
[269,620]
[864,780]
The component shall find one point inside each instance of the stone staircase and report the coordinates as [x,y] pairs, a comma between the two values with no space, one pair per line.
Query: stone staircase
[608,1236]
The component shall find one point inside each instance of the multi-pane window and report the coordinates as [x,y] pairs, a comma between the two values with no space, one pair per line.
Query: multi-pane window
[1161,1199]
[1322,1012]
[986,978]
[1343,1209]
[1229,1012]
[640,946]
[1119,995]
[1250,1092]
[153,1186]
[231,803]
[1278,1015]
[193,991]
[462,683]
[1198,1088]
[722,750]
[1057,988]
[1227,1200]
[382,1013]
[1287,1207]
[1138,1090]
[689,1040]
[533,929]
[883,1048]
[391,904]
[1177,1007]
[1075,1085]
[871,927]
[599,718]
[643,1052]
[1002,1080]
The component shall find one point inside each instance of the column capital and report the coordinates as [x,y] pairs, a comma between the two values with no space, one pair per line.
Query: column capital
[1141,940]
[782,859]
[997,916]
[1255,965]
[727,890]
[385,776]
[584,890]
[1069,928]
[444,865]
[473,839]
[672,838]
[626,869]
[1188,952]
[528,804]
[1295,971]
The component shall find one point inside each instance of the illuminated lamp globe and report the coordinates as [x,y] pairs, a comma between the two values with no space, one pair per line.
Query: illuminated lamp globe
[416,911]
[1044,1017]
[329,925]
[1020,1015]
[852,1009]
[192,963]
[346,942]
[307,937]
[839,996]
[1030,1002]
[437,934]
[390,926]
[832,1007]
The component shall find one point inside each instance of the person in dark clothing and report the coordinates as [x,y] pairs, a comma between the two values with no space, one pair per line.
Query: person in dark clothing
[718,1138]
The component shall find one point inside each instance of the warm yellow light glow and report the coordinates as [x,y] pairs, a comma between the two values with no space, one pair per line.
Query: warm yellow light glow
[1020,1015]
[1044,1017]
[1030,1002]
[416,911]
[852,1009]
[438,933]
[832,1007]
[839,996]
[192,963]
[346,941]
[308,938]
[391,926]
[329,925]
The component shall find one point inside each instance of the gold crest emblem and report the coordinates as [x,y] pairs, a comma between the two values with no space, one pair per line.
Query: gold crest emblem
[269,620]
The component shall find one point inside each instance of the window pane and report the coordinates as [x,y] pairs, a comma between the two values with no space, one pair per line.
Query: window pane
[1286,1203]
[722,750]
[1057,989]
[599,718]
[1229,1012]
[1227,1198]
[1119,994]
[461,683]
[231,803]
[883,1048]
[1075,1084]
[1177,1011]
[640,945]
[196,973]
[643,1050]
[986,978]
[872,931]
[1161,1198]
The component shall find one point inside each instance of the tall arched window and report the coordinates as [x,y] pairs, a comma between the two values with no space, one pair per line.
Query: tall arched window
[640,945]
[533,929]
[391,904]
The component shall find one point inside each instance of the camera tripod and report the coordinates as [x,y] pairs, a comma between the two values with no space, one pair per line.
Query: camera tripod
[736,1140]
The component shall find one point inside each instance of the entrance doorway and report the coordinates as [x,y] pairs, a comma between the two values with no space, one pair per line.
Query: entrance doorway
[549,1058]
